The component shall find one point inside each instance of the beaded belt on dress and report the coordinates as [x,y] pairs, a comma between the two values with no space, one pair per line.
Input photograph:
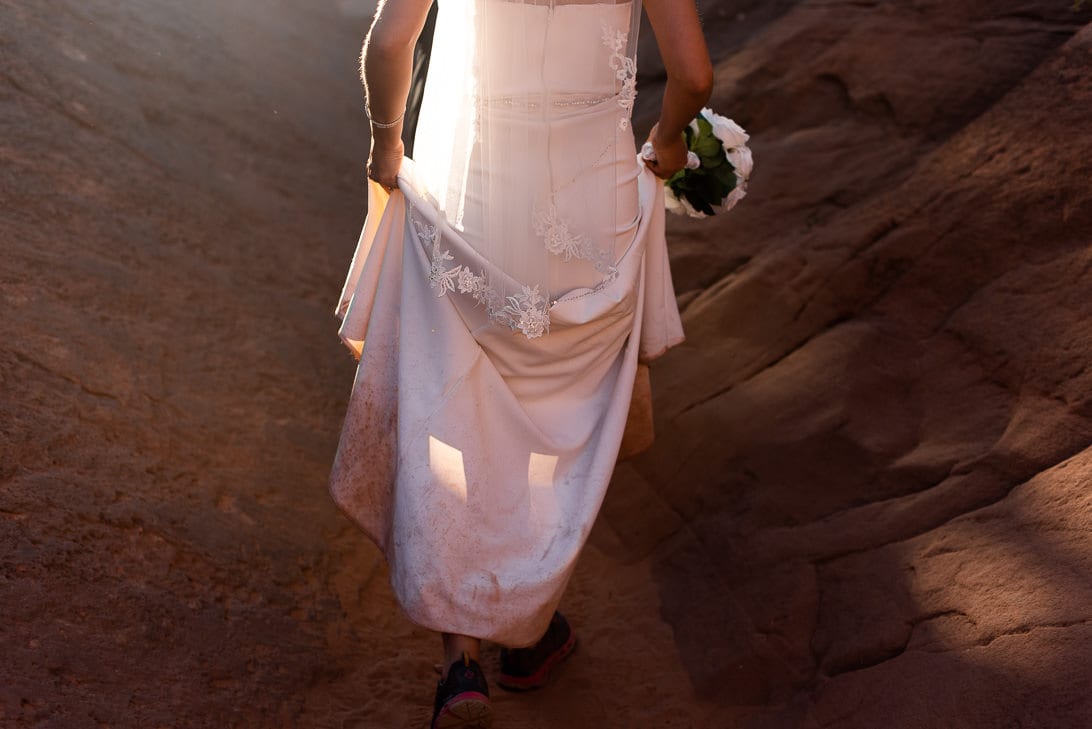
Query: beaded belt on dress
[562,101]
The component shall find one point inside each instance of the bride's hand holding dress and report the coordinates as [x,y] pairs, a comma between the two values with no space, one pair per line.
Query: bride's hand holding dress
[384,161]
[386,64]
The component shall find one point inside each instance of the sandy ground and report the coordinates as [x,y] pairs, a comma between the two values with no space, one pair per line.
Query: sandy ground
[868,504]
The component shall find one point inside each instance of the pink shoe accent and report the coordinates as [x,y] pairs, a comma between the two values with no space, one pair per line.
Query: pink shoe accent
[468,710]
[542,675]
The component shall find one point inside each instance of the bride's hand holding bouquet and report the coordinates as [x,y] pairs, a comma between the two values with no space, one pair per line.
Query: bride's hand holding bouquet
[668,157]
[715,170]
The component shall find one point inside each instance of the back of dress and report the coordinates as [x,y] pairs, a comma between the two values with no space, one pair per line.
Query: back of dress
[524,147]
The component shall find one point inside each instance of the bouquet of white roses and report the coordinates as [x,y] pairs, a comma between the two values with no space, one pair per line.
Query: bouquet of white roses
[718,167]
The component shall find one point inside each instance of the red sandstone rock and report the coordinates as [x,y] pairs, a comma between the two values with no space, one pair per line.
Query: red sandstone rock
[905,357]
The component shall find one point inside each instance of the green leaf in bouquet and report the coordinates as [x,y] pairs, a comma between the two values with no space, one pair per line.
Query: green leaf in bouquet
[726,174]
[713,162]
[708,147]
[721,191]
[705,129]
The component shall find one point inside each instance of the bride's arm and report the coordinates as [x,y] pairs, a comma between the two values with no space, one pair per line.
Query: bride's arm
[689,78]
[386,69]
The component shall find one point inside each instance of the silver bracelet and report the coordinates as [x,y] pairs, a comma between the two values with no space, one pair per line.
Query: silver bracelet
[386,125]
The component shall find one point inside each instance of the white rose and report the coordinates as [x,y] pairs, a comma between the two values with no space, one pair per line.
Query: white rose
[737,194]
[727,131]
[742,161]
[689,209]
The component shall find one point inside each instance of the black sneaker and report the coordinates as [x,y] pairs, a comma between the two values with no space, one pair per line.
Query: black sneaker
[462,699]
[523,669]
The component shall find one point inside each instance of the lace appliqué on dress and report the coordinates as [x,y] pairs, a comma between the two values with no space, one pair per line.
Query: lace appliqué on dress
[625,69]
[526,311]
[561,241]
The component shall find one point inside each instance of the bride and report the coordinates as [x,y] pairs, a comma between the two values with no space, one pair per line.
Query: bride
[506,284]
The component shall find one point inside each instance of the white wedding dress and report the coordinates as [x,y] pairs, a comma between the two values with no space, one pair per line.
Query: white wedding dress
[499,301]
